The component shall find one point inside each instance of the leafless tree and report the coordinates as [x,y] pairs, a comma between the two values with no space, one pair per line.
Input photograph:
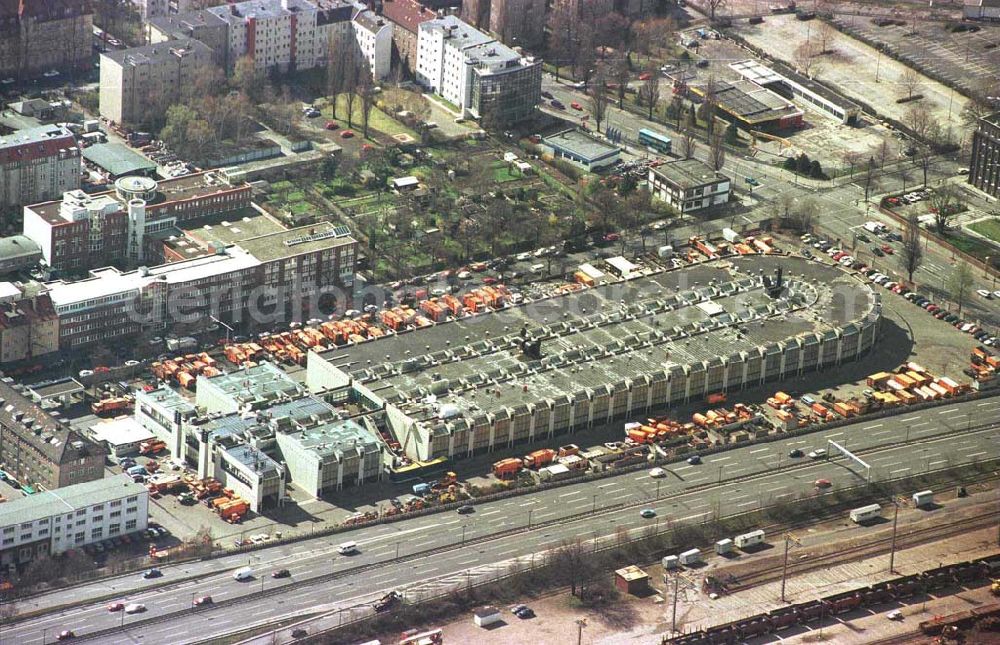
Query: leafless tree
[350,90]
[714,6]
[574,560]
[803,214]
[804,57]
[883,151]
[912,253]
[688,143]
[649,93]
[717,148]
[909,80]
[826,33]
[620,75]
[920,120]
[960,284]
[852,158]
[651,34]
[366,93]
[340,52]
[923,159]
[598,97]
[944,204]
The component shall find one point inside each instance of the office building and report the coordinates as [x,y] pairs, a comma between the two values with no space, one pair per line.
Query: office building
[29,327]
[43,36]
[200,24]
[40,452]
[689,185]
[85,231]
[480,76]
[37,164]
[53,522]
[139,84]
[984,169]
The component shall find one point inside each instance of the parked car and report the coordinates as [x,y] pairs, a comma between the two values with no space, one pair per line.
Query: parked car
[547,95]
[557,104]
[331,125]
[346,134]
[985,293]
[576,106]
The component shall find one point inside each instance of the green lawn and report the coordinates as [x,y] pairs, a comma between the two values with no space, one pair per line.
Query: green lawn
[378,120]
[971,245]
[502,173]
[988,228]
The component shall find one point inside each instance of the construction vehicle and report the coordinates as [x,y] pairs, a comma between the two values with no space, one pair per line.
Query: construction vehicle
[388,601]
[507,468]
[539,458]
[111,405]
[151,447]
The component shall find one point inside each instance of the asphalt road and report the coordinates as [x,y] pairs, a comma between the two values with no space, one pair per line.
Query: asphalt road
[549,512]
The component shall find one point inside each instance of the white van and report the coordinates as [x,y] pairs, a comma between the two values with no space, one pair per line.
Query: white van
[537,268]
[347,547]
[243,574]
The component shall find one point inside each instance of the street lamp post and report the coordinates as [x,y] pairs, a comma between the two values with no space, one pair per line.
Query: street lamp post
[529,517]
[593,508]
[892,546]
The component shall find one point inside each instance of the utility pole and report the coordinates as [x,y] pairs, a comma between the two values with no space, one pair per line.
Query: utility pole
[580,624]
[892,546]
[784,565]
[677,582]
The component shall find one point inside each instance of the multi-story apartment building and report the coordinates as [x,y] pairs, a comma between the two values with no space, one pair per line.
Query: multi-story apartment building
[149,9]
[53,522]
[689,185]
[29,326]
[83,231]
[271,278]
[284,35]
[984,170]
[37,37]
[37,164]
[39,451]
[406,17]
[373,34]
[518,22]
[139,84]
[200,25]
[484,78]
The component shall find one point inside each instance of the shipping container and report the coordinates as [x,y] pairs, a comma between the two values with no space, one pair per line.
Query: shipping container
[866,513]
[690,557]
[724,547]
[923,498]
[753,538]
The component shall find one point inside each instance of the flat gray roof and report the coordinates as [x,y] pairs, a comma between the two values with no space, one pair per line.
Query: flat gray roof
[46,504]
[580,144]
[688,173]
[602,336]
[18,246]
[117,159]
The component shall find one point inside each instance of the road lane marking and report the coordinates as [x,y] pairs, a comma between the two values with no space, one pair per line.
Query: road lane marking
[753,452]
[571,493]
[877,425]
[947,411]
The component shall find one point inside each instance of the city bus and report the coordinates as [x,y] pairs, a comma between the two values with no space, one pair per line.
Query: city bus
[655,140]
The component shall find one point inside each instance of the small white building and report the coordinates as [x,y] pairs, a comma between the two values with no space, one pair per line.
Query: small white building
[72,517]
[486,616]
[121,436]
[374,37]
[689,185]
[405,183]
[982,10]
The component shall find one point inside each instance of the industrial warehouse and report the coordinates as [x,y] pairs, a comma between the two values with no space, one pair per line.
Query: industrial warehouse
[525,373]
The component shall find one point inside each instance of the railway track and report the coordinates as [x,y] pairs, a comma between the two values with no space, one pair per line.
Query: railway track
[870,548]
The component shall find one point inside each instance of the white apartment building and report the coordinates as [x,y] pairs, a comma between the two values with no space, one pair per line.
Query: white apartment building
[52,522]
[476,73]
[283,34]
[689,185]
[373,34]
[38,164]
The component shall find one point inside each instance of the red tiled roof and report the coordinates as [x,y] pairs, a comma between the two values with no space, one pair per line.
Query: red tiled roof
[408,14]
[35,149]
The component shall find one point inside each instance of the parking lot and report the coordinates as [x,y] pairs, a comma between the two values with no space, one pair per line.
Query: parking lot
[967,59]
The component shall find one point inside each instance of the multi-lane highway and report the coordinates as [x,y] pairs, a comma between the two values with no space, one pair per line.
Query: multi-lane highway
[733,481]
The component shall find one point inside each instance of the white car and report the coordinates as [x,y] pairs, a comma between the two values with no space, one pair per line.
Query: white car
[819,453]
[657,472]
[996,294]
[464,275]
[984,293]
[135,608]
[521,257]
[51,74]
[8,81]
